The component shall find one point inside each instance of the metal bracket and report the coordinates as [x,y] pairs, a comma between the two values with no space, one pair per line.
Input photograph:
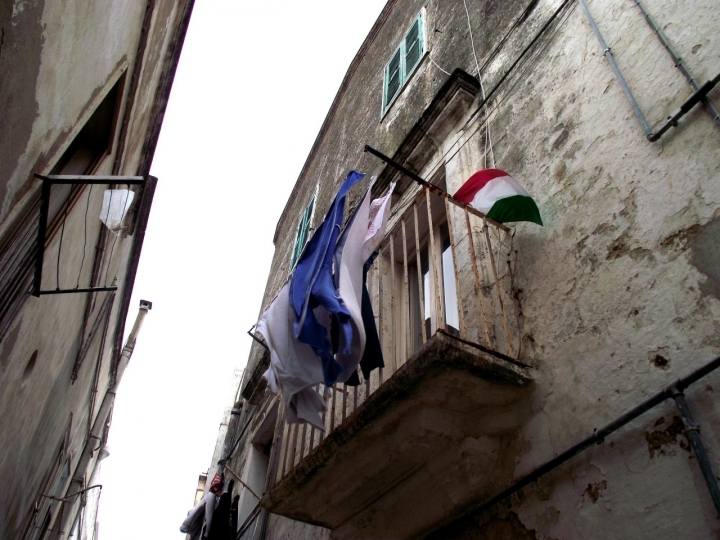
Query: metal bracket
[77,180]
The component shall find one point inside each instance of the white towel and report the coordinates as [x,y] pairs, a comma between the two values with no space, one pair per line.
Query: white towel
[296,369]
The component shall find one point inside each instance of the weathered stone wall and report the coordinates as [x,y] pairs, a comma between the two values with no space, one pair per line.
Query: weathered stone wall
[617,299]
[59,59]
[618,292]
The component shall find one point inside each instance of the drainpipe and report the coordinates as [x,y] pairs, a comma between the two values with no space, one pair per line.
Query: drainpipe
[94,438]
[607,53]
[678,61]
[700,94]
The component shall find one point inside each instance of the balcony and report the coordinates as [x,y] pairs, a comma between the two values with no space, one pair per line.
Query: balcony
[435,428]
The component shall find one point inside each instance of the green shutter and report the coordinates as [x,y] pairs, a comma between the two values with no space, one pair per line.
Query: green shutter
[413,46]
[393,78]
[403,62]
[302,233]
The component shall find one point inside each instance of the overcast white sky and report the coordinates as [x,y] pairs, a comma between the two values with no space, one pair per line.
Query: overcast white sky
[254,84]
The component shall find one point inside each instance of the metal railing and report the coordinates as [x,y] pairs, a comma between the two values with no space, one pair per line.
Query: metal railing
[439,267]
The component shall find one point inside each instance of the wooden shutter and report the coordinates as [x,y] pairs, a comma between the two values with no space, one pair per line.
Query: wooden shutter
[393,78]
[413,46]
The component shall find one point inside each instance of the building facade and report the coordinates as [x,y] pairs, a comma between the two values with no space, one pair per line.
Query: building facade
[507,344]
[83,92]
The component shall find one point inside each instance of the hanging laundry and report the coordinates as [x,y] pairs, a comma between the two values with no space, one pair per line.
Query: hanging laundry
[219,527]
[499,196]
[116,203]
[312,285]
[348,283]
[234,517]
[294,368]
[379,213]
[202,512]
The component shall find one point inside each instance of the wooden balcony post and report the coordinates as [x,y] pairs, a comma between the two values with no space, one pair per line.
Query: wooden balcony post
[418,262]
[456,271]
[478,287]
[497,287]
[433,265]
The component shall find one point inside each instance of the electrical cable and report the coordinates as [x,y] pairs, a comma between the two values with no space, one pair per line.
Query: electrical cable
[488,140]
[62,233]
[455,149]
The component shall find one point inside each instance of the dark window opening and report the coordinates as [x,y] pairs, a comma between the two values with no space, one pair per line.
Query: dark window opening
[19,247]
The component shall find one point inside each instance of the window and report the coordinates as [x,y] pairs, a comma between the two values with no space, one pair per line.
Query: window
[18,249]
[404,61]
[303,231]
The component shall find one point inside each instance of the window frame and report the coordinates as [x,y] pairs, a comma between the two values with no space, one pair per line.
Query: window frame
[404,74]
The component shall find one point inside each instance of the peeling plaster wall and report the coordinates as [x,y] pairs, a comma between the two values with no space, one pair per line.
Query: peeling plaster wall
[618,292]
[62,58]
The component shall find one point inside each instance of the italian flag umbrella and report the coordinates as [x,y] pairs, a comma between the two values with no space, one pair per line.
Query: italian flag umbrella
[499,196]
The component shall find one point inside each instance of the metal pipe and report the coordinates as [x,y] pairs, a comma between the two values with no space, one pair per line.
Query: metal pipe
[65,291]
[678,61]
[611,60]
[89,180]
[685,108]
[127,351]
[692,432]
[98,426]
[262,343]
[432,187]
[599,435]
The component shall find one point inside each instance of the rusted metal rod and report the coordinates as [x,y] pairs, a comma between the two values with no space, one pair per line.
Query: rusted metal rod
[228,469]
[432,187]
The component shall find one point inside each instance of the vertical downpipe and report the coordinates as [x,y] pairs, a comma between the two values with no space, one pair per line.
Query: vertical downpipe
[611,60]
[692,432]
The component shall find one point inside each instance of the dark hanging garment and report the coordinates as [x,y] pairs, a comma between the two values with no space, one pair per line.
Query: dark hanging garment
[220,526]
[372,357]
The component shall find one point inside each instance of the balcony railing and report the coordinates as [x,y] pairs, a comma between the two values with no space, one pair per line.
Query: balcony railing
[439,268]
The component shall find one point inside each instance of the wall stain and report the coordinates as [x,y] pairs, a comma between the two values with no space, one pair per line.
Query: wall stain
[562,138]
[594,491]
[660,439]
[705,246]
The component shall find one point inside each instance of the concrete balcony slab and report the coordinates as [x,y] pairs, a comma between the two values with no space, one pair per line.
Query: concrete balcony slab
[441,432]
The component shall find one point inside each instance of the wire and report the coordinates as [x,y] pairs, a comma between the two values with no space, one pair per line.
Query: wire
[488,140]
[62,233]
[437,66]
[82,263]
[472,41]
[455,149]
